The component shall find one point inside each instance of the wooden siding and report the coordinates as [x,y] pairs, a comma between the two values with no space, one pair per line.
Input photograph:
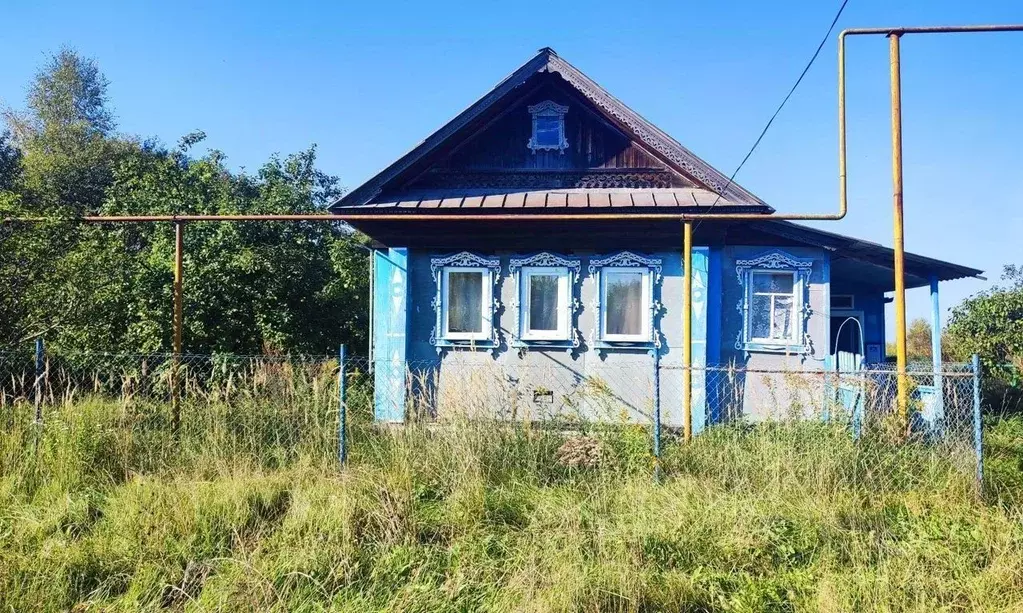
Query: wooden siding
[592,142]
[495,153]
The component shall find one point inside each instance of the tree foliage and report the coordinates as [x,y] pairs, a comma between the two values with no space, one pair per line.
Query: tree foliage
[990,324]
[249,287]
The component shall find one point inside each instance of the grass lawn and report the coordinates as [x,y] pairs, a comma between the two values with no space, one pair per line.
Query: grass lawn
[103,510]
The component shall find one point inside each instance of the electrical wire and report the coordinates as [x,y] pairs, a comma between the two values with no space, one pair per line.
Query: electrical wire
[827,35]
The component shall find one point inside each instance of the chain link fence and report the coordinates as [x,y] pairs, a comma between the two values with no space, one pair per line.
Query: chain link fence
[309,403]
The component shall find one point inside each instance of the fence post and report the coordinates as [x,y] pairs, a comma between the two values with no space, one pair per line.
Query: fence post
[978,436]
[657,414]
[342,427]
[40,366]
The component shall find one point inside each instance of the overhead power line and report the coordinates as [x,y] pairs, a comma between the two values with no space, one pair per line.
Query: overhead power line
[770,121]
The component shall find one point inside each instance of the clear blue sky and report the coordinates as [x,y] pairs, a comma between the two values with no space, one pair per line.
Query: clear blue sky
[366,81]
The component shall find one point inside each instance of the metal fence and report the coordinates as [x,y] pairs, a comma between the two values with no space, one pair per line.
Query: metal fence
[943,417]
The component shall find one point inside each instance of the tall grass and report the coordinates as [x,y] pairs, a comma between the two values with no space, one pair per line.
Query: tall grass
[103,508]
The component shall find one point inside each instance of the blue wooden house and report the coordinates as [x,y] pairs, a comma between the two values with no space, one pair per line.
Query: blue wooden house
[548,306]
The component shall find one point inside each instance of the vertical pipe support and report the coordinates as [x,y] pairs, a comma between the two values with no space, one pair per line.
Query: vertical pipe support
[179,229]
[978,433]
[900,252]
[687,329]
[939,387]
[40,368]
[342,425]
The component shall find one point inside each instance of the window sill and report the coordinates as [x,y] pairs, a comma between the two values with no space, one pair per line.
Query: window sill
[788,349]
[487,344]
[603,345]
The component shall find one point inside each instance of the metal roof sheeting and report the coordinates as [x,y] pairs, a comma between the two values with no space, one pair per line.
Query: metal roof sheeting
[553,199]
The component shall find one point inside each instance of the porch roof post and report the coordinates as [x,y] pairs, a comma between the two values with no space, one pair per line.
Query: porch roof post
[935,326]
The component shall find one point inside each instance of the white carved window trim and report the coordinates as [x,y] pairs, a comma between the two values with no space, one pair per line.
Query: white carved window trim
[796,293]
[775,262]
[486,301]
[626,261]
[465,261]
[568,335]
[548,109]
[645,298]
[560,333]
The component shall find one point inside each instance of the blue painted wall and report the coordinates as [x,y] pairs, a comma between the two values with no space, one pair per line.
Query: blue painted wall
[502,382]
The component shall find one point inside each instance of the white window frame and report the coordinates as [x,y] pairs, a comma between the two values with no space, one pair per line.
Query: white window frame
[796,295]
[564,315]
[646,334]
[775,261]
[486,308]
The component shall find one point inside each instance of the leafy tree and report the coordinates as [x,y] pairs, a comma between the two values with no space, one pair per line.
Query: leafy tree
[918,341]
[990,324]
[249,287]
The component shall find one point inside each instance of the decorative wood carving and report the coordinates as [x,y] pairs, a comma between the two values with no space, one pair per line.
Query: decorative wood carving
[465,259]
[546,259]
[775,260]
[578,179]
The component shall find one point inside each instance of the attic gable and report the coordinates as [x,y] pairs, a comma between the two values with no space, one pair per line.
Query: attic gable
[609,145]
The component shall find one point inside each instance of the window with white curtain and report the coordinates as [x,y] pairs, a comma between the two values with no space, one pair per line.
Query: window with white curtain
[773,302]
[465,303]
[626,303]
[545,303]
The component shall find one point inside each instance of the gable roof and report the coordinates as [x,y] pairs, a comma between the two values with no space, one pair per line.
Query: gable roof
[721,190]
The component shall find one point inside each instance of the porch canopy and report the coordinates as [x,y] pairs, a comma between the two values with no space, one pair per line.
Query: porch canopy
[859,265]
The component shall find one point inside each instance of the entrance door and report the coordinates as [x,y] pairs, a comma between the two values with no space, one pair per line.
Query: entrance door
[847,332]
[846,361]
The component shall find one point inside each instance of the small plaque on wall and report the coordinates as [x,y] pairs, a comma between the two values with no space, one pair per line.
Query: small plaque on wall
[873,353]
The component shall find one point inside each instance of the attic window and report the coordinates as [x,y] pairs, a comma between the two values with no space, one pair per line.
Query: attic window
[548,127]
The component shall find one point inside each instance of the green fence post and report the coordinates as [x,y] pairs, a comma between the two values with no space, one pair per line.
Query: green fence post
[40,369]
[342,427]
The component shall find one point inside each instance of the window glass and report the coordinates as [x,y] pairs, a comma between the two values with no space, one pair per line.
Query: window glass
[773,282]
[543,302]
[548,132]
[624,303]
[465,301]
[772,306]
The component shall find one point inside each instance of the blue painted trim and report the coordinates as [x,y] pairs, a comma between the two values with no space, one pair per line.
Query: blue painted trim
[715,288]
[939,384]
[826,270]
[390,333]
[700,317]
[935,325]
